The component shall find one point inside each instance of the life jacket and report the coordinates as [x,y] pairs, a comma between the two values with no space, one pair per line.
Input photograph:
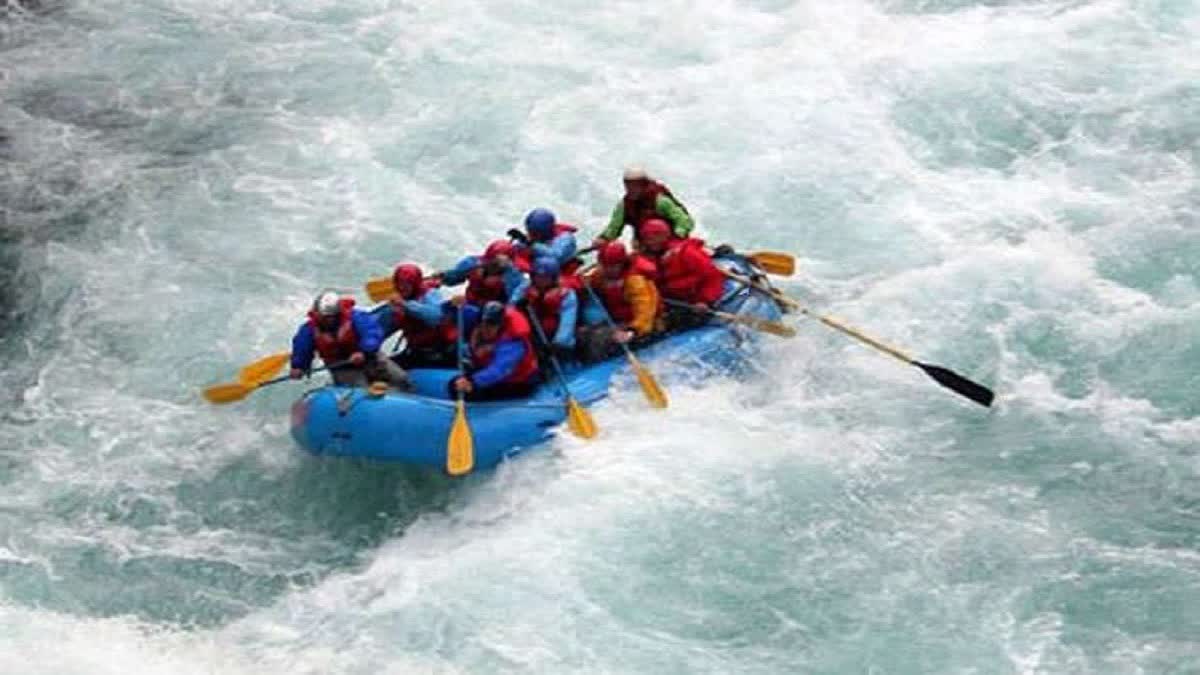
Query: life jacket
[515,327]
[612,291]
[570,279]
[417,333]
[686,273]
[483,288]
[638,211]
[547,306]
[339,344]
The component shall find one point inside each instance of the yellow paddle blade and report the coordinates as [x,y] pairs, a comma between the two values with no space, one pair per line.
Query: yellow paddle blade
[263,369]
[460,449]
[380,289]
[579,421]
[773,262]
[227,393]
[654,393]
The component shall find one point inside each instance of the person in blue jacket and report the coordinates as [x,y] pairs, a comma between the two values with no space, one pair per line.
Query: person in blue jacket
[553,301]
[430,337]
[345,337]
[498,274]
[501,361]
[547,238]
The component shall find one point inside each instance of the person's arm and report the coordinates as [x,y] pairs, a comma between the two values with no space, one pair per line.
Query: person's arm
[427,310]
[561,248]
[302,348]
[615,224]
[459,274]
[565,335]
[385,315]
[370,335]
[681,223]
[517,285]
[507,356]
[470,313]
[643,296]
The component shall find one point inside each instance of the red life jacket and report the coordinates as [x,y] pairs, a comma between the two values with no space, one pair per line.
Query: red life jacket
[483,288]
[417,333]
[612,291]
[687,274]
[547,306]
[515,327]
[570,280]
[339,344]
[643,208]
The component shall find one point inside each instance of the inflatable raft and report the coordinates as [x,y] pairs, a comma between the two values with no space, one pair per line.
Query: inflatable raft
[414,428]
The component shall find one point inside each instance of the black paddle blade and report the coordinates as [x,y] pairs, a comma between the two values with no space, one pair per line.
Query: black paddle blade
[955,382]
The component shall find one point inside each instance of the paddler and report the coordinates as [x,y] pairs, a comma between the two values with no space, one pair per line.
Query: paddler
[645,198]
[553,300]
[685,273]
[625,286]
[498,274]
[339,332]
[547,238]
[502,361]
[416,311]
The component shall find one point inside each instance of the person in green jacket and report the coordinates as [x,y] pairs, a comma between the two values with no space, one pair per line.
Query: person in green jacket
[646,198]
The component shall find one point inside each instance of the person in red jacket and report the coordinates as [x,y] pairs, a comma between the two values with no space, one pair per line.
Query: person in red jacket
[345,337]
[430,336]
[686,273]
[625,288]
[503,363]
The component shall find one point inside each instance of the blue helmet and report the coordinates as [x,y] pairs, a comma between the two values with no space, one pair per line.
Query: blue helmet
[493,313]
[546,266]
[540,223]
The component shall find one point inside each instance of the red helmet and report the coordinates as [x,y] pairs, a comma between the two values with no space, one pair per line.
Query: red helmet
[407,274]
[613,253]
[500,247]
[654,227]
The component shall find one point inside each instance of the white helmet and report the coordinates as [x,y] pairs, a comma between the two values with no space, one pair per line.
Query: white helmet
[326,303]
[635,173]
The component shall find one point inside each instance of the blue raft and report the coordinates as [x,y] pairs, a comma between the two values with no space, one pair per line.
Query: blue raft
[414,428]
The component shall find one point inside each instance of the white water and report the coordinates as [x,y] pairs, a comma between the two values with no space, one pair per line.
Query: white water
[1007,189]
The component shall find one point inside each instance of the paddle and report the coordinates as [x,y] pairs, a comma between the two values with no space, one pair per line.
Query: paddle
[773,262]
[230,392]
[943,376]
[460,446]
[654,393]
[759,324]
[380,289]
[579,421]
[263,369]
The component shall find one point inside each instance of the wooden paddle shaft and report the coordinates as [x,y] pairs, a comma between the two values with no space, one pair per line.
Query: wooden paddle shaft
[828,321]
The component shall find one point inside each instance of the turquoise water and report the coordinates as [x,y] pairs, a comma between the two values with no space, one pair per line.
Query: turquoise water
[1007,188]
